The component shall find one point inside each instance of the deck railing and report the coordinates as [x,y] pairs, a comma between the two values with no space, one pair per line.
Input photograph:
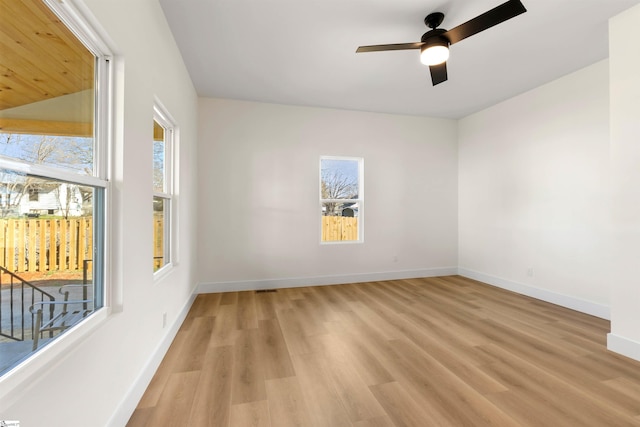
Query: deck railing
[16,296]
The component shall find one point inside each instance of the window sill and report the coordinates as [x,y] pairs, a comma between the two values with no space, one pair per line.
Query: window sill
[160,274]
[13,384]
[342,242]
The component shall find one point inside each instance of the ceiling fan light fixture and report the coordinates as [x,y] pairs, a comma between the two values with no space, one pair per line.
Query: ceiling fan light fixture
[434,53]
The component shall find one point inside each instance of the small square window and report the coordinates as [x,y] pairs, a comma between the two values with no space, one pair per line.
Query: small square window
[34,195]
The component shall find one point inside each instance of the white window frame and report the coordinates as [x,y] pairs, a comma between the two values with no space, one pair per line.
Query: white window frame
[359,200]
[40,361]
[164,119]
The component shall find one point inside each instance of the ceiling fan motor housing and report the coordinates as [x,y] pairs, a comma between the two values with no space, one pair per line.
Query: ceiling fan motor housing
[435,37]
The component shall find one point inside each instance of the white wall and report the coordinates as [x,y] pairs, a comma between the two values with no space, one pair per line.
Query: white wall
[624,34]
[533,192]
[97,380]
[258,195]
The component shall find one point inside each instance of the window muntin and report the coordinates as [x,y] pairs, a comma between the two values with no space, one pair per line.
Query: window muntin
[163,141]
[53,175]
[341,199]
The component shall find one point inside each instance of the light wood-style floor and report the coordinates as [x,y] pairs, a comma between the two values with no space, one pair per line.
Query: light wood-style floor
[444,351]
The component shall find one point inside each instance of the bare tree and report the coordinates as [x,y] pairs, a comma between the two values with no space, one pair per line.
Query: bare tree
[12,189]
[158,166]
[12,184]
[335,185]
[68,152]
[65,197]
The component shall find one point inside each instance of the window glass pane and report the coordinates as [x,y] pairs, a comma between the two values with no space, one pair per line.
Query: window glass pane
[24,195]
[158,158]
[160,232]
[46,115]
[339,179]
[339,222]
[72,153]
[47,252]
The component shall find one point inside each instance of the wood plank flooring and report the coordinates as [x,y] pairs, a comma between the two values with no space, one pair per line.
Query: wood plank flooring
[444,351]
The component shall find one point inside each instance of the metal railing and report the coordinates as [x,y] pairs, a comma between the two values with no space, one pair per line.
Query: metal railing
[68,315]
[16,296]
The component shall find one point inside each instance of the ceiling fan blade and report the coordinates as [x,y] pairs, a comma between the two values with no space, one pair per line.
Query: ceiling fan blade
[397,46]
[438,73]
[495,16]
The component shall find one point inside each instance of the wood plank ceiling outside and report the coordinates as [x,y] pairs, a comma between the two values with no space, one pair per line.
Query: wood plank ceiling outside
[40,59]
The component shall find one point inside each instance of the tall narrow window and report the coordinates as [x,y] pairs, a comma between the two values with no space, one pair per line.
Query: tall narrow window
[341,199]
[163,138]
[53,175]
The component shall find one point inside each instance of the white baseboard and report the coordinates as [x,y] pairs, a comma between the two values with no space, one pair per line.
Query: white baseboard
[624,346]
[588,307]
[296,282]
[128,404]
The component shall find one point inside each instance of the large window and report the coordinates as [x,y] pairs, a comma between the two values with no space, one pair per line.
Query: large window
[163,142]
[53,175]
[341,199]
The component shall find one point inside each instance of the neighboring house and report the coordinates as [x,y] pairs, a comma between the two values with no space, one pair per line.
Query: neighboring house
[60,200]
[340,210]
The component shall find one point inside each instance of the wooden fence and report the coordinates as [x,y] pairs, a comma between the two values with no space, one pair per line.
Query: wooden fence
[158,242]
[45,245]
[339,228]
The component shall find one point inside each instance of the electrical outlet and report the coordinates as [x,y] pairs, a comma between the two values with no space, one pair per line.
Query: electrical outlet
[164,320]
[530,272]
[395,258]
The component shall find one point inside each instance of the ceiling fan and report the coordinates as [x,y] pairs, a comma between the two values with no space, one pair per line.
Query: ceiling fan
[434,44]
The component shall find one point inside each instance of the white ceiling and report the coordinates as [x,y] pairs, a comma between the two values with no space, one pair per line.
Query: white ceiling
[302,52]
